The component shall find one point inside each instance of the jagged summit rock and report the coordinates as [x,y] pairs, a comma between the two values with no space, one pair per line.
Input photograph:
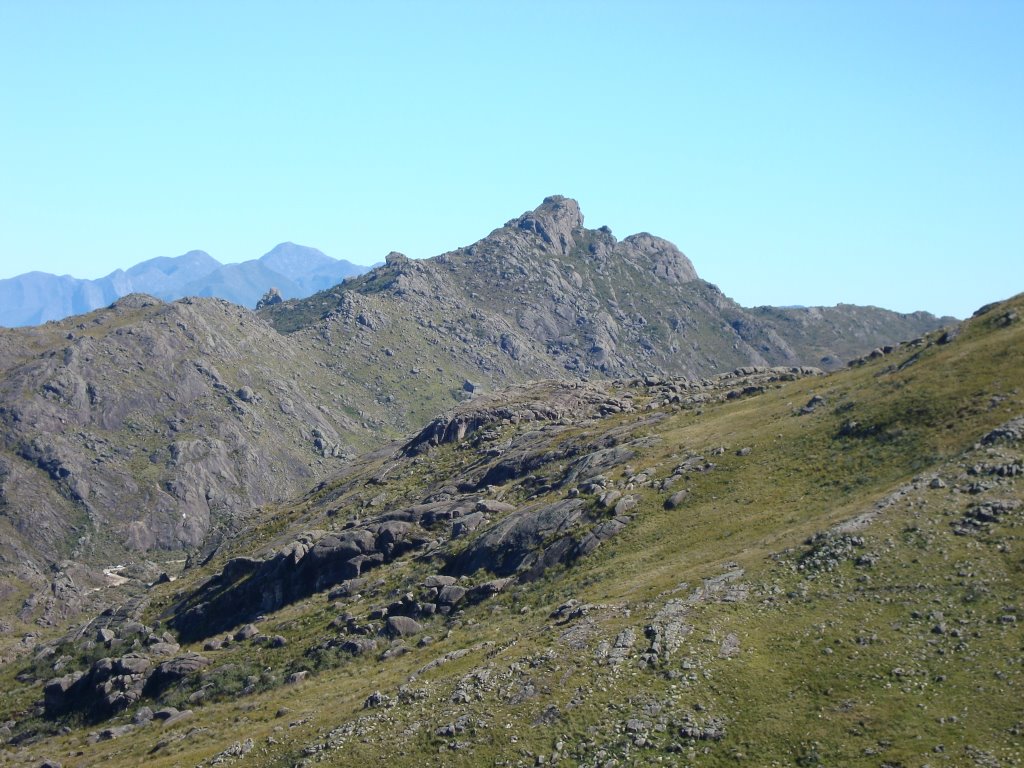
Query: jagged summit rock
[271,297]
[558,223]
[555,221]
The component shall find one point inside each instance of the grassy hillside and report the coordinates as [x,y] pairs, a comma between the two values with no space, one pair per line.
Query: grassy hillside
[839,585]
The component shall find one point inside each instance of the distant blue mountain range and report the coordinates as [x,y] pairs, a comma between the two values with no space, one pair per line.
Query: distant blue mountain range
[295,270]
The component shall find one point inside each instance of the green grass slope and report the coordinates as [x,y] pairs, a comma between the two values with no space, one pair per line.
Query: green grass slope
[840,585]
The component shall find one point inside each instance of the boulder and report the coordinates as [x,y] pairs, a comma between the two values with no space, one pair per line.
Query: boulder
[438,581]
[132,664]
[403,626]
[170,672]
[623,505]
[246,395]
[116,732]
[391,532]
[467,524]
[105,635]
[247,632]
[59,694]
[347,588]
[164,649]
[451,594]
[359,646]
[676,499]
[177,718]
[494,507]
[513,543]
[489,588]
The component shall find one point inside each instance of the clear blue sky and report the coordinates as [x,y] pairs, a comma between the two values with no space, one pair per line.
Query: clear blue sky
[798,152]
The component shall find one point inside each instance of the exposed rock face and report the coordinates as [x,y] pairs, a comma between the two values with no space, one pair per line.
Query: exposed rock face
[152,424]
[403,626]
[170,672]
[512,545]
[556,222]
[247,587]
[546,402]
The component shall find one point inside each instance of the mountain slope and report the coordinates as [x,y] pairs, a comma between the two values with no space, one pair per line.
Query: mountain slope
[768,566]
[151,427]
[144,430]
[835,335]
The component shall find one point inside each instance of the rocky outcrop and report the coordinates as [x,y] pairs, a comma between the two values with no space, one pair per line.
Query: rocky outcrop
[543,402]
[514,544]
[270,298]
[247,587]
[556,222]
[111,685]
[143,661]
[539,452]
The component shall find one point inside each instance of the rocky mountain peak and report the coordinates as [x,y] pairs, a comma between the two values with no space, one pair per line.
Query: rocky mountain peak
[554,221]
[289,258]
[561,208]
[667,261]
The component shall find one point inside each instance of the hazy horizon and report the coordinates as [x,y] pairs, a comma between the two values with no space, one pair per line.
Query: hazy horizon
[125,267]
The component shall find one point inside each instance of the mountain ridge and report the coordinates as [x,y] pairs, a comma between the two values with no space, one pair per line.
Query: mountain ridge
[37,297]
[543,277]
